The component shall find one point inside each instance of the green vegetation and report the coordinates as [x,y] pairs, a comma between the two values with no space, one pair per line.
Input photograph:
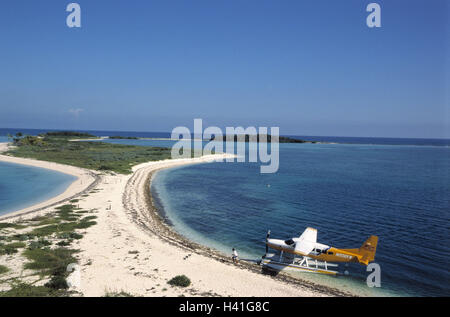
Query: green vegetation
[66,212]
[11,248]
[6,225]
[29,140]
[284,139]
[68,134]
[256,138]
[27,290]
[89,218]
[64,243]
[3,269]
[57,282]
[49,261]
[100,156]
[47,221]
[180,280]
[118,294]
[65,227]
[21,237]
[39,244]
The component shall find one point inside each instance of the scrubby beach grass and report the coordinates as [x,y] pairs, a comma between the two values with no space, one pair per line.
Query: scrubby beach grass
[3,269]
[117,294]
[43,247]
[20,289]
[11,248]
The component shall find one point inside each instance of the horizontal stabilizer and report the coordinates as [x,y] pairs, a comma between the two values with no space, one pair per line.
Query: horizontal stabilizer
[368,250]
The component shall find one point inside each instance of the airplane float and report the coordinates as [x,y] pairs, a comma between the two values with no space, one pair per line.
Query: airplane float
[306,254]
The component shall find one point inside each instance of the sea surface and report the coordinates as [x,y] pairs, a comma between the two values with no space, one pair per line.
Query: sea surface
[348,192]
[22,186]
[349,189]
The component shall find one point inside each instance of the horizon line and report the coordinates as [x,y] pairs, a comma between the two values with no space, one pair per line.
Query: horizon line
[301,135]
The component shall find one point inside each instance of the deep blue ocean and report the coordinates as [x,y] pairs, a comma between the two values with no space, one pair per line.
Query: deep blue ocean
[398,189]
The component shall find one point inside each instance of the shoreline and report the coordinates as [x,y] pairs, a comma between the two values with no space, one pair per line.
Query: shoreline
[166,226]
[132,249]
[85,180]
[155,222]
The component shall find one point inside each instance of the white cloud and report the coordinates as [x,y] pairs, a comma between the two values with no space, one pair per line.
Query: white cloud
[75,112]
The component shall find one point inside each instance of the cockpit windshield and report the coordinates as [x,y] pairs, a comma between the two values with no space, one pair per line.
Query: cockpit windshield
[289,242]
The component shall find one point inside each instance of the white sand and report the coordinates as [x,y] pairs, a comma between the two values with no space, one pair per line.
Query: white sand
[3,147]
[122,253]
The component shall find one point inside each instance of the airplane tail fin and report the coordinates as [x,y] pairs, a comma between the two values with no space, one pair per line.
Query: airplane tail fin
[368,250]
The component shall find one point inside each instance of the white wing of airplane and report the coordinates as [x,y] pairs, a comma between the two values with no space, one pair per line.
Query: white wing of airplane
[307,241]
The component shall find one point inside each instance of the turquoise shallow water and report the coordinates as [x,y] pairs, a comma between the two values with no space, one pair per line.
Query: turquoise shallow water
[23,186]
[347,192]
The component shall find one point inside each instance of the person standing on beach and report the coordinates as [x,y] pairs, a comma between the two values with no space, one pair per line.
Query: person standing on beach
[234,256]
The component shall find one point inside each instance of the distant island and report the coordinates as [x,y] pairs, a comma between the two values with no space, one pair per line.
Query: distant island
[69,134]
[256,138]
[248,138]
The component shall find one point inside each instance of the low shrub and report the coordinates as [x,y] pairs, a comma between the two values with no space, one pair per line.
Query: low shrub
[39,244]
[118,294]
[3,269]
[63,243]
[57,282]
[27,290]
[180,280]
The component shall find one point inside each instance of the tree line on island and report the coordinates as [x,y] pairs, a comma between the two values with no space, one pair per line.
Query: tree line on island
[258,138]
[20,139]
[106,157]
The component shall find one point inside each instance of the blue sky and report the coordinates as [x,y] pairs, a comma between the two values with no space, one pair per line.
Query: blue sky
[309,67]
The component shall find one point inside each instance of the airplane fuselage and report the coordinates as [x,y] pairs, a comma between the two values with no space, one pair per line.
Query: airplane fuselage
[320,252]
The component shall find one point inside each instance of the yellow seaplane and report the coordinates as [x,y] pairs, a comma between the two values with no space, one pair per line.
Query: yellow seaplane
[306,254]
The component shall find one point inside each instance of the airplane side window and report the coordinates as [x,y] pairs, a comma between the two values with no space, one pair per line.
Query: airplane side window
[330,253]
[289,242]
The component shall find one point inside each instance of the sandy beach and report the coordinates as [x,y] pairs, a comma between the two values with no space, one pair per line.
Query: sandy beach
[131,249]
